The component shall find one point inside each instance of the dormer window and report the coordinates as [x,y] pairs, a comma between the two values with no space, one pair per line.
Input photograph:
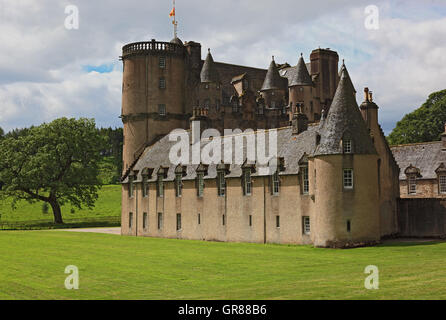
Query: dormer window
[178,185]
[145,186]
[200,184]
[160,185]
[412,184]
[347,146]
[442,184]
[247,183]
[221,183]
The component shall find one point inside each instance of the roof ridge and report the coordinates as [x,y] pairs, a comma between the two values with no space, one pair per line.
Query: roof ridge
[413,144]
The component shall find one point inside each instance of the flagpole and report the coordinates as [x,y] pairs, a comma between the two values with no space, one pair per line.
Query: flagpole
[175,23]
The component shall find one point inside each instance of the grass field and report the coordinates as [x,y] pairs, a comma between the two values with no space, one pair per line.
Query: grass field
[115,267]
[107,212]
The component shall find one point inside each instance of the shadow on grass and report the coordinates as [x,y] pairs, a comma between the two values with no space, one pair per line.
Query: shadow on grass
[80,223]
[410,242]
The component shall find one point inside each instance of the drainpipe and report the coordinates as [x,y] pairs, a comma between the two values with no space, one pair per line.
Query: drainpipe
[136,209]
[264,210]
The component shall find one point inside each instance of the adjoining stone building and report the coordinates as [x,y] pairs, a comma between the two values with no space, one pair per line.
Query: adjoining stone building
[335,183]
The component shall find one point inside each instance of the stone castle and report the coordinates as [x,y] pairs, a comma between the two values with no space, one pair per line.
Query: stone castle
[336,183]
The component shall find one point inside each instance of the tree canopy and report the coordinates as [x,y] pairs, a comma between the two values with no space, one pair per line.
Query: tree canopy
[2,133]
[425,124]
[56,163]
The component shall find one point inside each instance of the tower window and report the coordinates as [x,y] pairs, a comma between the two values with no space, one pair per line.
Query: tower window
[162,109]
[348,178]
[250,220]
[223,219]
[160,220]
[144,221]
[306,225]
[162,83]
[349,226]
[277,221]
[199,219]
[221,183]
[200,184]
[347,145]
[412,184]
[442,183]
[178,221]
[247,183]
[162,62]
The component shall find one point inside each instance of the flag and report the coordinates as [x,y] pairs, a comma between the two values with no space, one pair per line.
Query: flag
[172,13]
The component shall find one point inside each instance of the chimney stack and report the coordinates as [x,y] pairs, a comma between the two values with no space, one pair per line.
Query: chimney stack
[300,121]
[366,94]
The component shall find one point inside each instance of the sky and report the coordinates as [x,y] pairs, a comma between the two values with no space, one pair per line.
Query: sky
[49,71]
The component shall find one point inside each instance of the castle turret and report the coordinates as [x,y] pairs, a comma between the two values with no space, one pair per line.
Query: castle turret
[153,94]
[273,88]
[347,193]
[210,91]
[300,91]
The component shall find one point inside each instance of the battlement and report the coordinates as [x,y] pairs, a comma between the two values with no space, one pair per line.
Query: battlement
[150,47]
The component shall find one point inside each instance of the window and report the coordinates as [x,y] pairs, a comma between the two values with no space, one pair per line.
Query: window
[250,220]
[206,86]
[347,146]
[160,186]
[160,220]
[273,104]
[207,103]
[221,183]
[412,183]
[348,226]
[348,178]
[131,187]
[178,221]
[130,220]
[145,187]
[199,219]
[235,106]
[217,104]
[162,83]
[442,183]
[178,185]
[247,183]
[162,62]
[200,184]
[276,183]
[305,180]
[218,86]
[162,109]
[260,110]
[277,221]
[223,217]
[144,221]
[306,225]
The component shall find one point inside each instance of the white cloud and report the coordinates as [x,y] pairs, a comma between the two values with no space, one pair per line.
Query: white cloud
[41,63]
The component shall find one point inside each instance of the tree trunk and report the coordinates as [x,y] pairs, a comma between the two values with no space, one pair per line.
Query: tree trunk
[56,211]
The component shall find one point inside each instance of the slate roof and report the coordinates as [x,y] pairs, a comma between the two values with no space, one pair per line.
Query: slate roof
[273,80]
[209,72]
[289,147]
[301,76]
[425,156]
[344,118]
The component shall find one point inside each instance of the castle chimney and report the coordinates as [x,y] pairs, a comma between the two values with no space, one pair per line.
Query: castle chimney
[366,94]
[299,122]
[370,96]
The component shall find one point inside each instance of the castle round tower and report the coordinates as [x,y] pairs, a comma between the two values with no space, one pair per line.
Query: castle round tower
[346,167]
[153,93]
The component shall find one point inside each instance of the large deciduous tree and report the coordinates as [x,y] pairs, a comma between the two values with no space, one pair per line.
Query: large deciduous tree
[56,163]
[424,124]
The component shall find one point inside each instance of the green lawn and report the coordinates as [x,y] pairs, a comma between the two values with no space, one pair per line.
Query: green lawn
[114,267]
[107,212]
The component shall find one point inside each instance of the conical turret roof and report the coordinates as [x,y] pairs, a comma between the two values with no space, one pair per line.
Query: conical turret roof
[273,80]
[177,41]
[209,73]
[344,69]
[344,118]
[301,77]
